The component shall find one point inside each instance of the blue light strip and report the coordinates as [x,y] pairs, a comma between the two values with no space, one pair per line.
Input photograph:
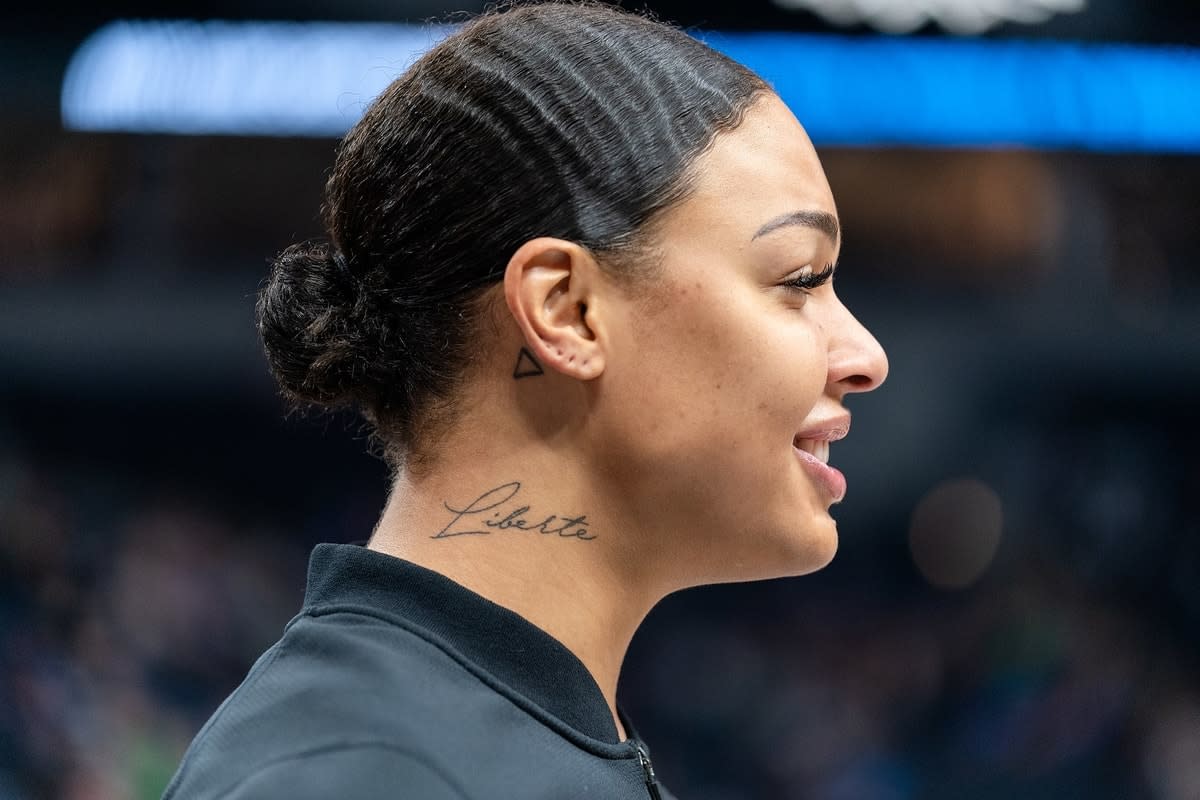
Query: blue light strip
[315,79]
[264,78]
[978,93]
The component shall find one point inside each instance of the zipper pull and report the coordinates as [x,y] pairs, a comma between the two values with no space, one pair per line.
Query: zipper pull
[648,770]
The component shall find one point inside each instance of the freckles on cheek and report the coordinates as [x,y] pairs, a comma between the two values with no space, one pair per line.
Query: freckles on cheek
[793,378]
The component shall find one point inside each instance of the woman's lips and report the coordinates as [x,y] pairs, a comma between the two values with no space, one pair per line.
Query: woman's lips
[825,476]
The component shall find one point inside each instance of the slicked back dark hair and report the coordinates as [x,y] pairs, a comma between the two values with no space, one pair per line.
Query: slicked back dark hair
[572,120]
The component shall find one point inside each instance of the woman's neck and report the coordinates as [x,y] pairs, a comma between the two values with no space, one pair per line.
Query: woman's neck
[534,544]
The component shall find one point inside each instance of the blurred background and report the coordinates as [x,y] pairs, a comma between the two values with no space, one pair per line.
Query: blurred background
[1015,607]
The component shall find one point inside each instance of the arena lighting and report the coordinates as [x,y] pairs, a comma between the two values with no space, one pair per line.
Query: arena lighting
[315,79]
[975,93]
[256,78]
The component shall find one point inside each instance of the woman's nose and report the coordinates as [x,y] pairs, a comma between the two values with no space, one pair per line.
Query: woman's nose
[857,362]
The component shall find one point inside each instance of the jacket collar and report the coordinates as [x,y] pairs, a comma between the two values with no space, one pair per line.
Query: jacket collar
[520,656]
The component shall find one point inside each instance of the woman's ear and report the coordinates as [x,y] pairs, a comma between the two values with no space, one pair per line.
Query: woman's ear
[550,286]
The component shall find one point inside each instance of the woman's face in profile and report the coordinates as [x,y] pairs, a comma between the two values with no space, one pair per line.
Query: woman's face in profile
[732,373]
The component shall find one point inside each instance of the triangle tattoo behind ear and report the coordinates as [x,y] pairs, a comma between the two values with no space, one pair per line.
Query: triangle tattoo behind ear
[527,365]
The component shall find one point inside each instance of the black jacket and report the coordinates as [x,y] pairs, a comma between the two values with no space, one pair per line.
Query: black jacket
[395,682]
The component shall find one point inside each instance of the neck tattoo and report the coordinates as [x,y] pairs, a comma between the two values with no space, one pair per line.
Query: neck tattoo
[496,510]
[527,366]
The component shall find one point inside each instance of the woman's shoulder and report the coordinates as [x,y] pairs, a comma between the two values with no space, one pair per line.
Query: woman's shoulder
[350,770]
[340,688]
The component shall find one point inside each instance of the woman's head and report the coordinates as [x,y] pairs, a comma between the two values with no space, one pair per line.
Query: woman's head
[574,121]
[576,248]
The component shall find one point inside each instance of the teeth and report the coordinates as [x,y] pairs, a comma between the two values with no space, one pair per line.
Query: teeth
[819,449]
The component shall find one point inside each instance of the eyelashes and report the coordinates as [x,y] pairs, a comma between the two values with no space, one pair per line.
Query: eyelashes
[810,280]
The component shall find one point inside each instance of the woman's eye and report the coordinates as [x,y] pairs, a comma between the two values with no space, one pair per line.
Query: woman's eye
[808,280]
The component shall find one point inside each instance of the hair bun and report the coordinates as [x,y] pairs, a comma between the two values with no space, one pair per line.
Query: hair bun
[309,316]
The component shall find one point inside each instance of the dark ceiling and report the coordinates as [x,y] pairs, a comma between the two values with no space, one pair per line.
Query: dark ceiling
[1176,21]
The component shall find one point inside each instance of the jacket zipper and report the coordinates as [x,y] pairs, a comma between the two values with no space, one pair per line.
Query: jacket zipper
[648,771]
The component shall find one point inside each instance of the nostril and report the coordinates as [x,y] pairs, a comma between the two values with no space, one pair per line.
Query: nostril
[858,382]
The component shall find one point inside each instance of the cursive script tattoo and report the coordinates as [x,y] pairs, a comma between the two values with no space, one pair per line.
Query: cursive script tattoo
[527,366]
[489,512]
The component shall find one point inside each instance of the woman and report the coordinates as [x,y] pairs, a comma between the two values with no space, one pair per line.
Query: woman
[578,281]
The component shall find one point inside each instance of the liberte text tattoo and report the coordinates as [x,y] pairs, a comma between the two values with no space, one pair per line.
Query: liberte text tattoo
[496,510]
[527,366]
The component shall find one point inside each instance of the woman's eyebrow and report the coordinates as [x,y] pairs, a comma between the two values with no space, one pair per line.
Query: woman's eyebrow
[822,221]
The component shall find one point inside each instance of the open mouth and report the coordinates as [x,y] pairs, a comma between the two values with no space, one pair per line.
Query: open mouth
[812,449]
[817,448]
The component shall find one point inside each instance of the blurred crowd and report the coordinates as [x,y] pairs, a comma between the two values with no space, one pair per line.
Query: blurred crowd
[1036,689]
[122,626]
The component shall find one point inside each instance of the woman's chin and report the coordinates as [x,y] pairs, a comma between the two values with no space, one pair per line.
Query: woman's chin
[811,549]
[788,553]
